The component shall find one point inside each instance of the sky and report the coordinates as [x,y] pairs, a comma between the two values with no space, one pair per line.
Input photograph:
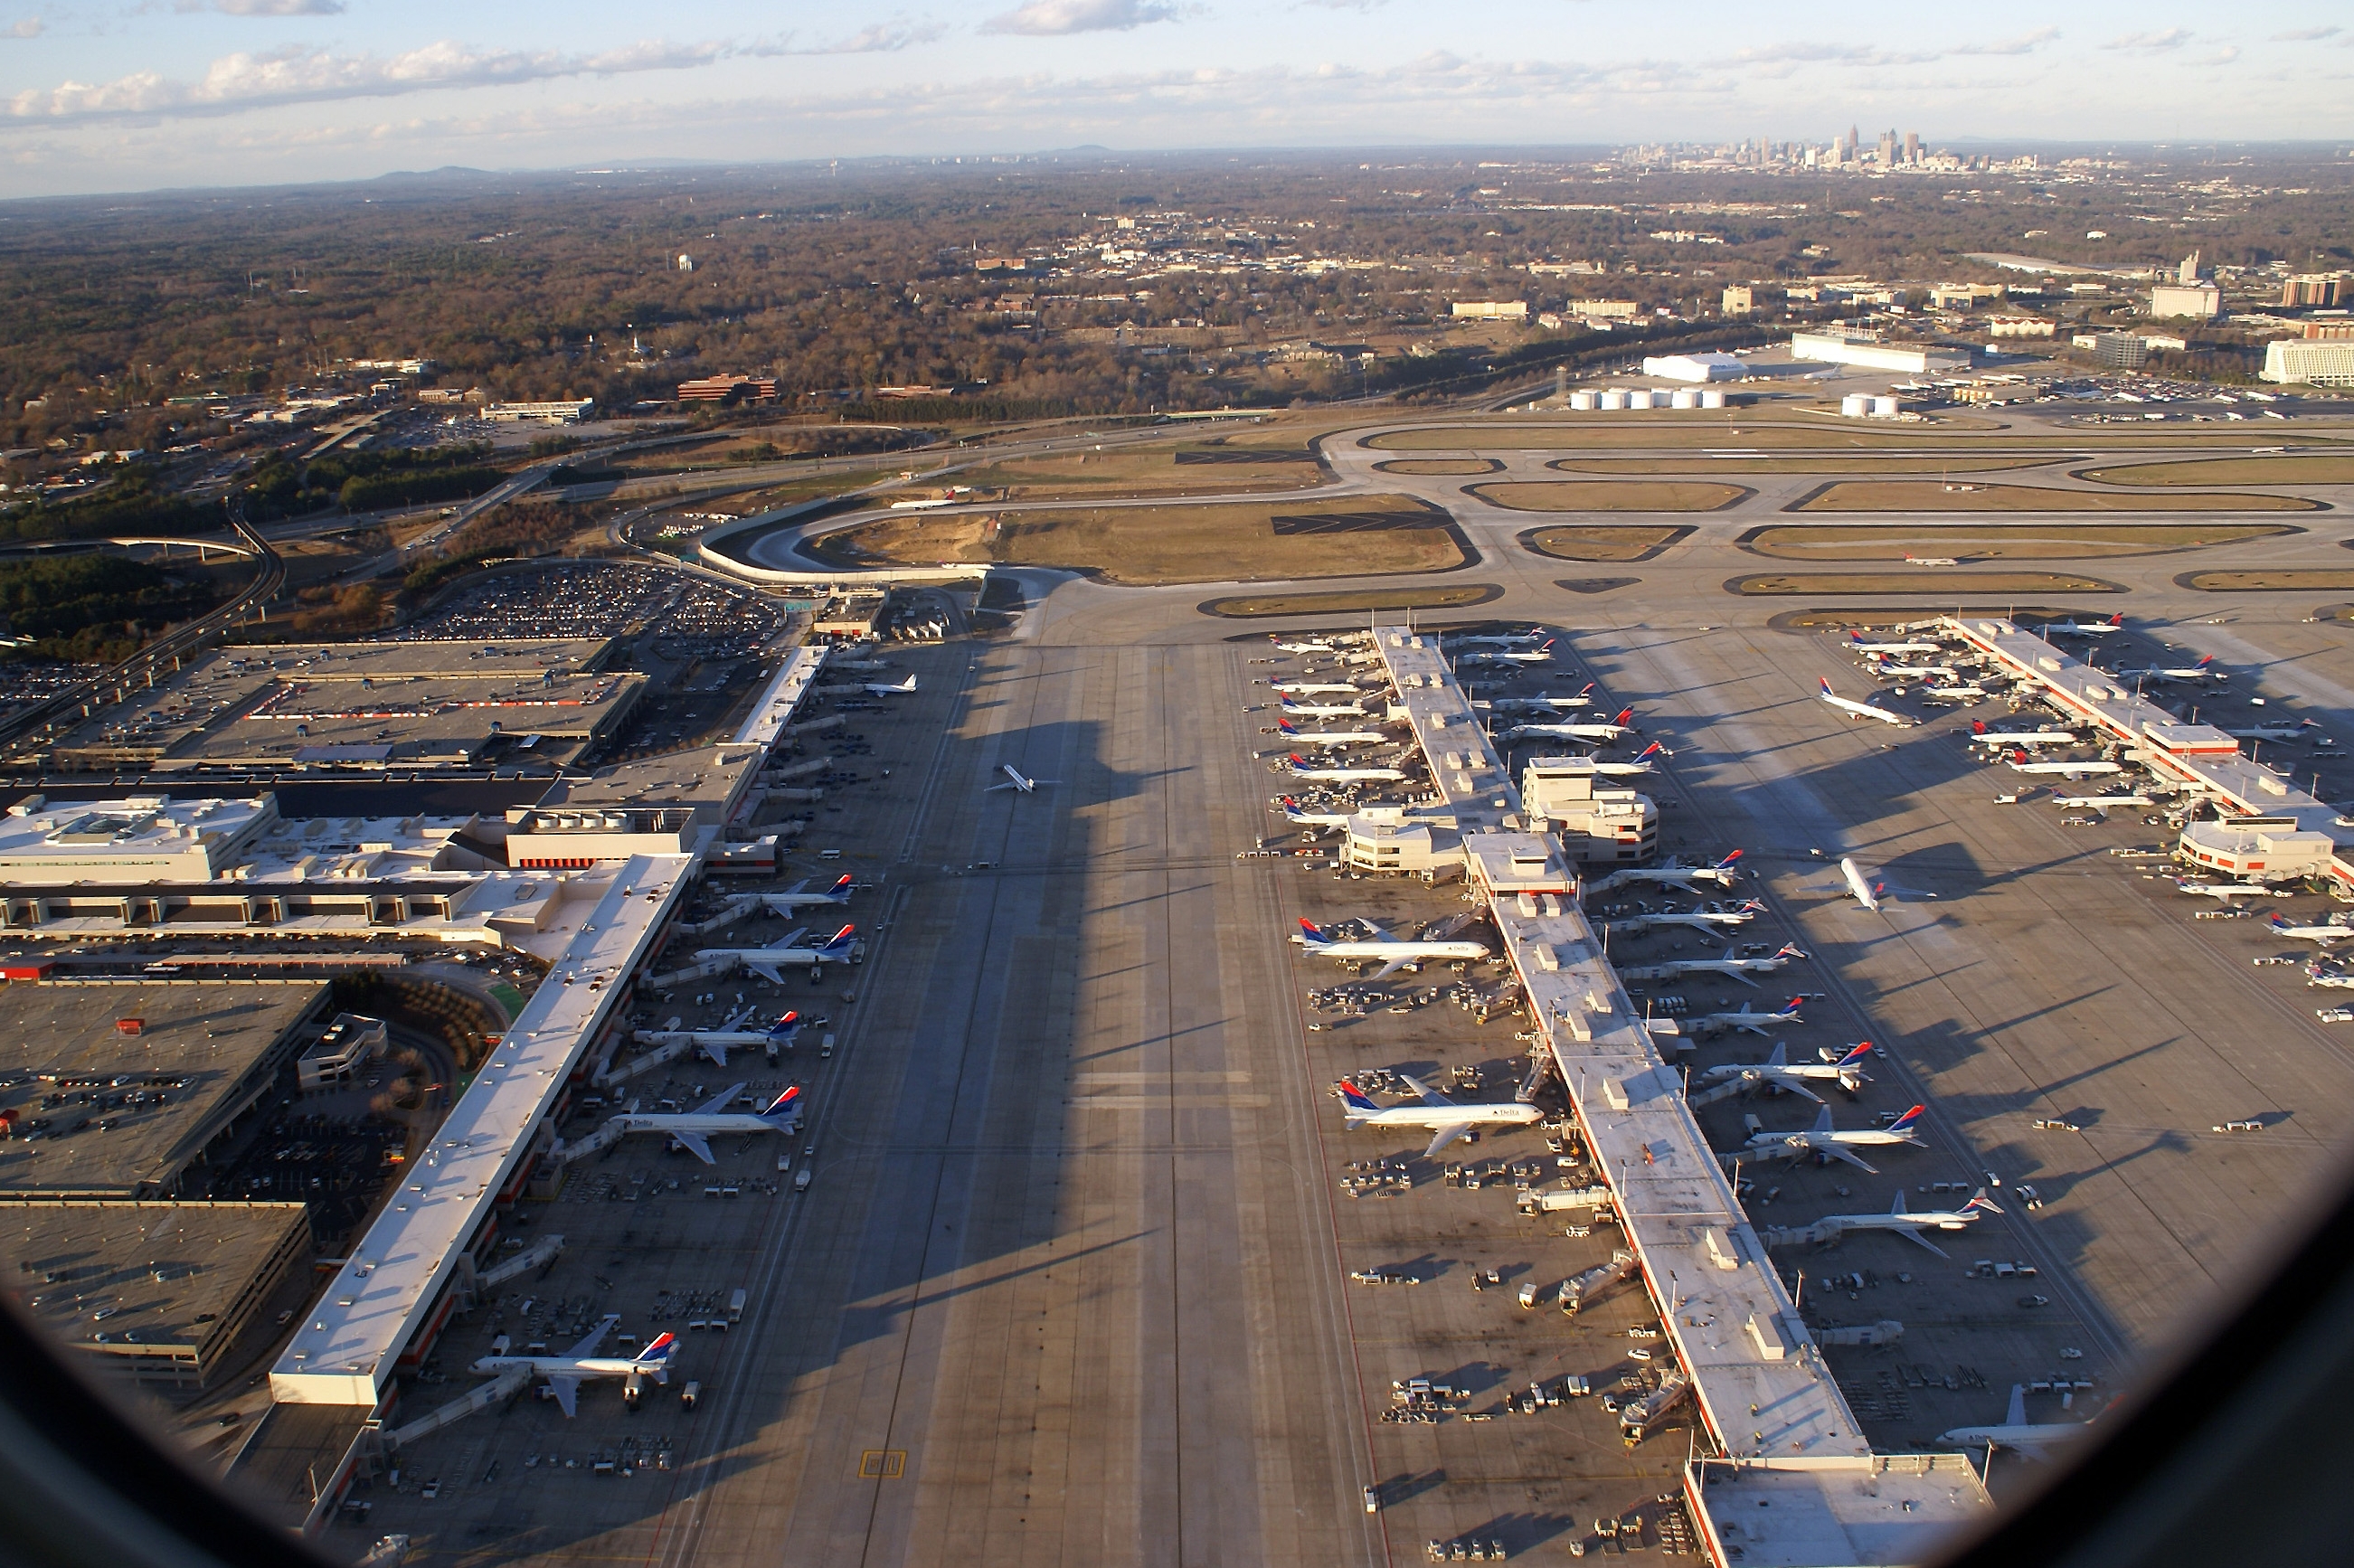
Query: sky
[127,95]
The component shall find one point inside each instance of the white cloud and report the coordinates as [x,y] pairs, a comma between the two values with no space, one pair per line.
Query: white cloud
[297,74]
[273,7]
[1044,17]
[882,38]
[2026,43]
[2225,55]
[31,27]
[2306,35]
[2151,43]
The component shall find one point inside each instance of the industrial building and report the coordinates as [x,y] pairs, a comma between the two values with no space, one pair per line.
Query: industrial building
[1695,367]
[2188,296]
[729,389]
[1843,348]
[569,412]
[1490,309]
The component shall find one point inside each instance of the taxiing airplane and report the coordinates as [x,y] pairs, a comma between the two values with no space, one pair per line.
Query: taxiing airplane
[2033,1439]
[1298,736]
[1856,644]
[798,897]
[2018,764]
[1873,891]
[566,1372]
[1016,779]
[1910,1225]
[1727,965]
[1864,709]
[2077,628]
[1981,735]
[766,962]
[1611,731]
[2325,933]
[879,689]
[1322,710]
[1820,1139]
[717,1042]
[2222,892]
[1781,1075]
[1391,952]
[1446,1120]
[1337,774]
[2199,671]
[1723,874]
[1743,1020]
[692,1130]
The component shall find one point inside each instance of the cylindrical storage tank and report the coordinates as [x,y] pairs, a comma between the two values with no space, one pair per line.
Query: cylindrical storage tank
[1855,405]
[1583,398]
[1711,399]
[1614,398]
[1883,407]
[1683,397]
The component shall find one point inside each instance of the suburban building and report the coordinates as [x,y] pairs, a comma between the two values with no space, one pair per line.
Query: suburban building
[2322,361]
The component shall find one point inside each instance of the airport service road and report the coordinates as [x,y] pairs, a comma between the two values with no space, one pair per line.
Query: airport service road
[2052,980]
[1064,1285]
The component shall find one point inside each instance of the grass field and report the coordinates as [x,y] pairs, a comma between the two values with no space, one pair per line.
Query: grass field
[1863,463]
[1947,584]
[2326,469]
[1607,495]
[1454,597]
[1866,542]
[1605,543]
[1441,467]
[1155,470]
[2274,581]
[1704,431]
[1149,545]
[1902,495]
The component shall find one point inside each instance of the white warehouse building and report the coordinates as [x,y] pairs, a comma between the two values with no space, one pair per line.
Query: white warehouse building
[1695,367]
[2322,361]
[1913,358]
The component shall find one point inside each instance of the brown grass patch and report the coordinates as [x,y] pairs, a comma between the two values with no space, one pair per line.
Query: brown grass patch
[1453,597]
[2324,469]
[1869,542]
[1441,467]
[2267,582]
[1607,495]
[1153,470]
[1945,584]
[1861,463]
[1146,546]
[1900,495]
[1698,432]
[1609,542]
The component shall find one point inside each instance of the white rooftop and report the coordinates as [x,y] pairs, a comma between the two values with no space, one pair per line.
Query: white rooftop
[133,837]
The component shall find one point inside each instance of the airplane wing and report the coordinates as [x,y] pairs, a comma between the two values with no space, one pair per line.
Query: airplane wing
[1841,1151]
[695,1144]
[568,1392]
[797,887]
[1009,784]
[1445,1136]
[1390,969]
[1798,1086]
[2017,1415]
[1914,1235]
[1424,1092]
[588,1347]
[720,1101]
[765,969]
[716,1051]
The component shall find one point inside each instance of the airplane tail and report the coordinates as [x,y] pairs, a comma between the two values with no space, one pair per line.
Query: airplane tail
[1299,763]
[1792,950]
[1977,727]
[1655,749]
[1356,1099]
[657,1354]
[1980,1203]
[786,1109]
[2118,619]
[1726,863]
[1285,726]
[1789,1008]
[840,891]
[785,1028]
[1854,1058]
[1824,682]
[1903,1125]
[1624,715]
[1589,690]
[2275,923]
[839,943]
[1312,933]
[2204,662]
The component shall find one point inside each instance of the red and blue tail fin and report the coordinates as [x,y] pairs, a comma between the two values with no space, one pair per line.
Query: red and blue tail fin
[1825,683]
[1854,1058]
[1905,1124]
[1790,1008]
[1311,932]
[658,1352]
[785,1107]
[1355,1097]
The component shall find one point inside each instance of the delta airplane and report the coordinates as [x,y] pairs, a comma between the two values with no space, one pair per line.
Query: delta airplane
[797,896]
[767,961]
[1298,815]
[1779,1074]
[1884,665]
[1307,647]
[1863,710]
[1302,769]
[1502,640]
[2077,628]
[1539,655]
[2273,731]
[1960,694]
[1743,1020]
[1446,1120]
[1584,699]
[1611,731]
[717,1042]
[1981,735]
[1820,1139]
[1015,779]
[2222,892]
[1389,951]
[2020,764]
[1642,763]
[1722,874]
[878,689]
[1874,891]
[692,1130]
[1910,1225]
[1856,644]
[2015,1432]
[1298,736]
[1727,965]
[1322,710]
[566,1372]
[1696,919]
[2323,934]
[1316,688]
[2199,671]
[2101,803]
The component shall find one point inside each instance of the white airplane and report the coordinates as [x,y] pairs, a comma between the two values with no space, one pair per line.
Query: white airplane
[2020,764]
[1500,639]
[798,897]
[1392,953]
[1294,812]
[1539,655]
[2015,1432]
[1727,965]
[1310,647]
[2222,892]
[2077,628]
[1875,890]
[2323,934]
[1884,665]
[566,1372]
[1722,874]
[1015,779]
[1640,765]
[1302,769]
[1317,688]
[2199,671]
[2102,802]
[1863,710]
[1548,703]
[1981,735]
[879,689]
[1322,710]
[717,1042]
[1611,731]
[1294,734]
[1445,1119]
[1856,644]
[1694,919]
[692,1130]
[1820,1139]
[1779,1074]
[1743,1020]
[767,961]
[1954,693]
[2273,731]
[1910,1225]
